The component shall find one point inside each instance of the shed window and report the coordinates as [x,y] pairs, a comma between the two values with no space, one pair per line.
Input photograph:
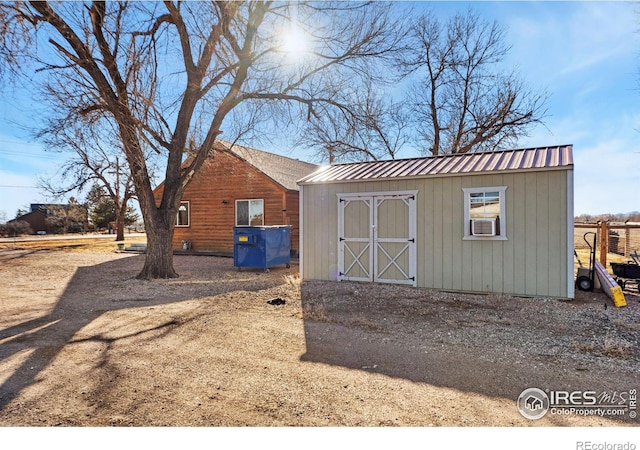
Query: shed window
[249,213]
[182,218]
[484,213]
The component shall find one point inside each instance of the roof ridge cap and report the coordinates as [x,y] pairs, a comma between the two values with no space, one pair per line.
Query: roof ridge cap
[451,155]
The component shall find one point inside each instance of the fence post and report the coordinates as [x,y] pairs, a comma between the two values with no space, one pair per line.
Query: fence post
[604,240]
[627,237]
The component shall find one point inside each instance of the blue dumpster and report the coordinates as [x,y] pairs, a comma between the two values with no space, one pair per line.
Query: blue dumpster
[262,247]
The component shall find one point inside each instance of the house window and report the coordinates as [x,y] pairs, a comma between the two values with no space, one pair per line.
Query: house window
[249,213]
[182,218]
[484,213]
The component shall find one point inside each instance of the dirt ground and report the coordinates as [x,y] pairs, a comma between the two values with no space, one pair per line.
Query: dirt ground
[83,343]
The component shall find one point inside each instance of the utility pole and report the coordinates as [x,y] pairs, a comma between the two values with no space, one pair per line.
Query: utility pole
[117,201]
[117,181]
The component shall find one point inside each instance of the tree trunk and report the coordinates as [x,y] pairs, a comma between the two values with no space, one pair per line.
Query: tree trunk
[159,223]
[119,226]
[159,258]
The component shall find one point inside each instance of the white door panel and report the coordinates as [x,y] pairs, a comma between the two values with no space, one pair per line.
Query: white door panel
[377,237]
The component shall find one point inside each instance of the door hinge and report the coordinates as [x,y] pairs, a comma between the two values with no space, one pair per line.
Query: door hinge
[411,240]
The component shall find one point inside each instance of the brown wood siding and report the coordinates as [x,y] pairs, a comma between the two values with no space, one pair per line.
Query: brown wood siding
[228,178]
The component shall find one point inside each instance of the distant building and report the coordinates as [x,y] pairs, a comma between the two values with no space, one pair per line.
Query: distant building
[36,220]
[40,212]
[46,208]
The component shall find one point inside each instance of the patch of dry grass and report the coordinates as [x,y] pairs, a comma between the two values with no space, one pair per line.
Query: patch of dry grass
[611,348]
[616,349]
[626,326]
[317,312]
[583,255]
[89,244]
[292,280]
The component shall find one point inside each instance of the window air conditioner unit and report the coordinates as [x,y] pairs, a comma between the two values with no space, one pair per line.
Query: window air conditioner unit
[483,227]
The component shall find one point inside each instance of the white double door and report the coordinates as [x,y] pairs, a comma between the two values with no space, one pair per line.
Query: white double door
[377,237]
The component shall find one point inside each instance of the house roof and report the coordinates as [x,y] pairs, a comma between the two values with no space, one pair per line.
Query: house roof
[46,208]
[28,215]
[283,170]
[539,158]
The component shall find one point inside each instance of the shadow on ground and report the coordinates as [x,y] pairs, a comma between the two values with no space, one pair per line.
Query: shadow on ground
[94,291]
[482,345]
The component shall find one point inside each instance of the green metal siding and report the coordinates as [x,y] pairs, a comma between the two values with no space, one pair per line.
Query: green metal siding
[531,262]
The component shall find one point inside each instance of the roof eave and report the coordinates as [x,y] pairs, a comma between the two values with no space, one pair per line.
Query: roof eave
[441,175]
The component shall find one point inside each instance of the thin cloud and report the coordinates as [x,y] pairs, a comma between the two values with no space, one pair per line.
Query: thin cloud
[564,38]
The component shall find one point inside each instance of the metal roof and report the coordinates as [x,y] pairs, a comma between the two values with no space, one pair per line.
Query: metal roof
[540,158]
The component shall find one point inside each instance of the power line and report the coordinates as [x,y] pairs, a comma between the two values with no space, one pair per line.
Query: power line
[17,142]
[44,155]
[15,186]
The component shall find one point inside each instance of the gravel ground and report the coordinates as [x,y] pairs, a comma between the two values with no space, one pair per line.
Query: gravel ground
[83,343]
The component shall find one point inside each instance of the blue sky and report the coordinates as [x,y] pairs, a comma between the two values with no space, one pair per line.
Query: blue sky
[586,55]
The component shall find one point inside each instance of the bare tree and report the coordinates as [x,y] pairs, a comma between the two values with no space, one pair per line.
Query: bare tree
[15,228]
[67,218]
[375,127]
[458,99]
[168,75]
[96,159]
[463,102]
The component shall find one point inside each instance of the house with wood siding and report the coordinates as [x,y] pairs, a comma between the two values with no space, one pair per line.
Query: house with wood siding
[238,186]
[499,222]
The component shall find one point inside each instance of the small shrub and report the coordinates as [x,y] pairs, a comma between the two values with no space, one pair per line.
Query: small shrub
[317,312]
[615,349]
[292,280]
[610,348]
[16,228]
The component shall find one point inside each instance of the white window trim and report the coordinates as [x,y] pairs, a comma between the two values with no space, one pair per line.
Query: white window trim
[248,200]
[188,215]
[503,218]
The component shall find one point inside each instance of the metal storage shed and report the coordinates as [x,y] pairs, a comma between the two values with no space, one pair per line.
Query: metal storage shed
[497,222]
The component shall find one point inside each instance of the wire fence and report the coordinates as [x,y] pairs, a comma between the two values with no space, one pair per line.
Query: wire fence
[622,239]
